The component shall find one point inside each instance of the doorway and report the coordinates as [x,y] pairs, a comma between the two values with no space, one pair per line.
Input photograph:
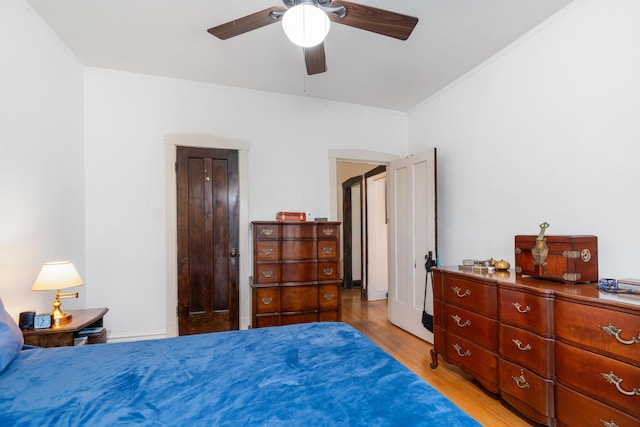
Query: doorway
[208,239]
[364,229]
[352,228]
[410,235]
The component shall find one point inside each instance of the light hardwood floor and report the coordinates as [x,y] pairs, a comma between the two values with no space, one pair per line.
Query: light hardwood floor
[370,318]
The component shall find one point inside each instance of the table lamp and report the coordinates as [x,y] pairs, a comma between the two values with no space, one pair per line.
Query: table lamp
[58,275]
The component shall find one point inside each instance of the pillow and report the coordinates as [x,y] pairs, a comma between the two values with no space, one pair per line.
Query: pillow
[11,339]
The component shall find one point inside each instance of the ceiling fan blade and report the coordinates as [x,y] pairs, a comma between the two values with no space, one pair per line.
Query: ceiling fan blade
[247,23]
[315,59]
[376,20]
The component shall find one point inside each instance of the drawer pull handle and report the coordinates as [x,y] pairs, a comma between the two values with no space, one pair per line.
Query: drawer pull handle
[459,351]
[613,331]
[521,382]
[267,231]
[520,309]
[458,321]
[613,379]
[457,291]
[327,249]
[608,423]
[518,344]
[328,231]
[328,271]
[268,273]
[267,251]
[267,300]
[329,297]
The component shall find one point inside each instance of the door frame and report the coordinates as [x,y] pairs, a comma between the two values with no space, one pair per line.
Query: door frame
[365,225]
[347,227]
[367,156]
[171,142]
[347,231]
[351,156]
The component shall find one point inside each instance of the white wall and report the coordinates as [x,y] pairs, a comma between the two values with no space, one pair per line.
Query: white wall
[547,130]
[41,158]
[127,117]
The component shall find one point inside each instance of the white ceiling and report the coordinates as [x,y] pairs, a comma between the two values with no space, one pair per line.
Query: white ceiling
[169,38]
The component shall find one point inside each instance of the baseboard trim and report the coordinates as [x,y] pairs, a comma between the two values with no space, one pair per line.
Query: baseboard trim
[376,295]
[136,336]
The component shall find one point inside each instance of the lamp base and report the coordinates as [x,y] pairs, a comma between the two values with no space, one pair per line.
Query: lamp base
[60,317]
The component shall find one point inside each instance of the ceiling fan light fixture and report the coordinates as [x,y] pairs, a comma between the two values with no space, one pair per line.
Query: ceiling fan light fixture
[306,25]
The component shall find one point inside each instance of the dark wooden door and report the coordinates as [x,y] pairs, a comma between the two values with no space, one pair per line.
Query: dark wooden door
[208,235]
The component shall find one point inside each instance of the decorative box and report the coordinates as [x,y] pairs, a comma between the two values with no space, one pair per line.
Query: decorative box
[291,216]
[568,259]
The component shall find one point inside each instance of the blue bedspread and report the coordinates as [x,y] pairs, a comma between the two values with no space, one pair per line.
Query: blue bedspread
[315,374]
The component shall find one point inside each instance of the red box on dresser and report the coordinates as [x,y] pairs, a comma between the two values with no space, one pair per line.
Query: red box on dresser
[568,259]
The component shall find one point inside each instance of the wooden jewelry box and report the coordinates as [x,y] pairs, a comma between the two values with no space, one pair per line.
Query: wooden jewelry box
[568,259]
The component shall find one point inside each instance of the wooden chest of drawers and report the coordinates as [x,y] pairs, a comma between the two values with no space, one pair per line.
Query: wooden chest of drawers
[295,272]
[566,355]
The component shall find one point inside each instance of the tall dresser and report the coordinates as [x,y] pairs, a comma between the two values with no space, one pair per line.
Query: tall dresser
[562,355]
[295,272]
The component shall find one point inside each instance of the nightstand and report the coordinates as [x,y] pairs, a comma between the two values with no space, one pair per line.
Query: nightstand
[64,335]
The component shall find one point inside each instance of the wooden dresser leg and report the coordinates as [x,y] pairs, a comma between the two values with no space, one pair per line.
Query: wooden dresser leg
[434,359]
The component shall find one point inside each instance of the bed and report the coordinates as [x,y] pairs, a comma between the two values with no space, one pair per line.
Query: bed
[314,374]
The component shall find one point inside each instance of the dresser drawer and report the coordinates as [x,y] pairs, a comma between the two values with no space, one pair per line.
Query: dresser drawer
[329,296]
[293,250]
[326,231]
[522,388]
[299,298]
[481,330]
[302,230]
[292,318]
[527,349]
[479,362]
[577,410]
[267,250]
[267,231]
[328,316]
[267,273]
[266,300]
[526,311]
[607,380]
[327,270]
[327,249]
[473,295]
[299,271]
[605,331]
[263,321]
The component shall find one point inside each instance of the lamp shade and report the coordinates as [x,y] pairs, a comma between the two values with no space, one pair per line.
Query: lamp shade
[306,25]
[57,275]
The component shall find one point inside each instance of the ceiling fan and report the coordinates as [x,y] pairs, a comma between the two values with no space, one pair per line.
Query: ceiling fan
[366,18]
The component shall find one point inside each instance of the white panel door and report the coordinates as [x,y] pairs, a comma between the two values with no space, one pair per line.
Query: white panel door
[412,234]
[376,261]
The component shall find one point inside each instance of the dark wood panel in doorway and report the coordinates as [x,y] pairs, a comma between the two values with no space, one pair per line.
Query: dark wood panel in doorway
[208,235]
